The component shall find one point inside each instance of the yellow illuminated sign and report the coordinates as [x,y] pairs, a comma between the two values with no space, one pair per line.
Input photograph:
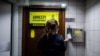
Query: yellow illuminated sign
[32,33]
[40,18]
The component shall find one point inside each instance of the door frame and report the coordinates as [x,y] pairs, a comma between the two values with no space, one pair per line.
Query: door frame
[39,7]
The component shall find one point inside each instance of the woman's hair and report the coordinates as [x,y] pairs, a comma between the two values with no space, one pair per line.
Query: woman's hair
[51,25]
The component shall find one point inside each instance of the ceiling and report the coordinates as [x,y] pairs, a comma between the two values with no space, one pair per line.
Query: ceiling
[47,0]
[40,0]
[37,2]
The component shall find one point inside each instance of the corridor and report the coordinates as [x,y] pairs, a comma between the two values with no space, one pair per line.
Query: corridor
[19,32]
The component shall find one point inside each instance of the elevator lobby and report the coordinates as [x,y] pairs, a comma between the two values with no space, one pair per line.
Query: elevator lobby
[22,22]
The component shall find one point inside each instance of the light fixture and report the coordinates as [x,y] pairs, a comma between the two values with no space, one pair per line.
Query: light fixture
[63,5]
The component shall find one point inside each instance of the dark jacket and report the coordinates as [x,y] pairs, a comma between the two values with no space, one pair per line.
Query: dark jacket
[53,45]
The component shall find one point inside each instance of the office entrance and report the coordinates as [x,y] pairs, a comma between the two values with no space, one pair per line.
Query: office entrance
[34,19]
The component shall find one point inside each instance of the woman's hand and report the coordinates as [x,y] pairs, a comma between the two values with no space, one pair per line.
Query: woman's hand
[66,39]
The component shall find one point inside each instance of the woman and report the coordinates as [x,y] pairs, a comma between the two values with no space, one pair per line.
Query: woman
[51,43]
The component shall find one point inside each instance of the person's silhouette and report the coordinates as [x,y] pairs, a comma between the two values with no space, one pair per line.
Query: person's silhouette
[51,43]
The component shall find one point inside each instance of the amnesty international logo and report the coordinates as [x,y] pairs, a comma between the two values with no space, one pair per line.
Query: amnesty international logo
[39,18]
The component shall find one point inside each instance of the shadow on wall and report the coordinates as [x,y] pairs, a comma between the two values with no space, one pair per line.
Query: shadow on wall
[5,46]
[92,4]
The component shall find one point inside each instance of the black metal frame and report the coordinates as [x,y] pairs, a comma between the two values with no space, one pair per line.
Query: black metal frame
[11,27]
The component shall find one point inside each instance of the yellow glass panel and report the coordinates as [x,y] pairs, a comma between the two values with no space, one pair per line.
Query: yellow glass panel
[77,32]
